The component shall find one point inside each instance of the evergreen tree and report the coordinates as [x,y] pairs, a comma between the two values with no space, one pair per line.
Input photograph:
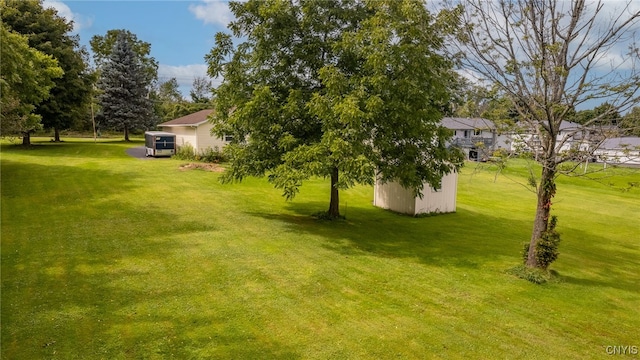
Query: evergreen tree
[124,86]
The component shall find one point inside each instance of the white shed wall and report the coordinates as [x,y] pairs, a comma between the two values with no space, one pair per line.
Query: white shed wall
[394,197]
[440,201]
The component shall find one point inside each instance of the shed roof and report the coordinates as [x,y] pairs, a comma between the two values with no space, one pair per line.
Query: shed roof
[467,123]
[195,119]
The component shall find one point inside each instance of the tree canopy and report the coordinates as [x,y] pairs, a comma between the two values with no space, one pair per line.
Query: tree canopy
[547,56]
[343,89]
[51,34]
[103,45]
[26,76]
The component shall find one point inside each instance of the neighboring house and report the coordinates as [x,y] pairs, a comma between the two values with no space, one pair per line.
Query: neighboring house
[477,137]
[620,150]
[195,129]
[394,197]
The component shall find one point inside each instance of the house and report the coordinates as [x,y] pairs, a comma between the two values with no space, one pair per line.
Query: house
[619,150]
[195,130]
[477,137]
[393,196]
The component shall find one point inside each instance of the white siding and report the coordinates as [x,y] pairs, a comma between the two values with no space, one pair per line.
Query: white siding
[199,137]
[206,140]
[394,197]
[184,135]
[441,201]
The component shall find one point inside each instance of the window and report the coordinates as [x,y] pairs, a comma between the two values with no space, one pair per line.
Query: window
[466,134]
[228,138]
[477,132]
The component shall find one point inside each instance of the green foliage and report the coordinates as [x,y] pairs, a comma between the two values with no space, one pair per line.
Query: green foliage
[185,152]
[630,123]
[320,87]
[103,45]
[51,34]
[27,75]
[547,246]
[209,155]
[124,89]
[534,275]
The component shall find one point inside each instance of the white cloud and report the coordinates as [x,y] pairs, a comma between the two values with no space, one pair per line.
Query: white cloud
[214,12]
[79,21]
[184,75]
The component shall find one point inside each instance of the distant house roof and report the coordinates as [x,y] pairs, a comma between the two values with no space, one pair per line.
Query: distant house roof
[629,142]
[568,125]
[467,123]
[195,119]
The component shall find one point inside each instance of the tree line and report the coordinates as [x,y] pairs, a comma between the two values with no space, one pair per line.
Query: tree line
[60,90]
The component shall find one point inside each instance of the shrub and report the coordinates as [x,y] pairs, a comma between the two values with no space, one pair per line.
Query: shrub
[212,155]
[185,152]
[547,245]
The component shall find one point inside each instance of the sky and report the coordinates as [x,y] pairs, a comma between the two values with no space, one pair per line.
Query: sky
[181,32]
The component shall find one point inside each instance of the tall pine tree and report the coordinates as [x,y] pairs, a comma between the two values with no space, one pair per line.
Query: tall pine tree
[124,90]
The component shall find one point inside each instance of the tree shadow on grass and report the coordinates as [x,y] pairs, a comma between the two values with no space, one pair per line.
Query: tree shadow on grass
[76,149]
[463,239]
[86,274]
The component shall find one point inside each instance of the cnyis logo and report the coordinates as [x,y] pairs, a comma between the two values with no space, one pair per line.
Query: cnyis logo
[622,350]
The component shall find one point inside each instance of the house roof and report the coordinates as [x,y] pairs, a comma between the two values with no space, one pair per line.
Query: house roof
[467,123]
[629,142]
[195,119]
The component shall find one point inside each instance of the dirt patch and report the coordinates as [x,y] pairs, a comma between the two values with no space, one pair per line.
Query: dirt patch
[202,166]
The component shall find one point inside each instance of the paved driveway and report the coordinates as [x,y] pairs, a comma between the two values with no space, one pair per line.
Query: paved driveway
[139,152]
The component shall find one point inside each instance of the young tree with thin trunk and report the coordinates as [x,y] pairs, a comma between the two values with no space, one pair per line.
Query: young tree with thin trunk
[343,89]
[551,57]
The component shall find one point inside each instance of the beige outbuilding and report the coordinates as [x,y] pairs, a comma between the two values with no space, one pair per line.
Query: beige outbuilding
[394,197]
[195,129]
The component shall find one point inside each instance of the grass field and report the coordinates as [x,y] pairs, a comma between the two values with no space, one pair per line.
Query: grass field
[105,256]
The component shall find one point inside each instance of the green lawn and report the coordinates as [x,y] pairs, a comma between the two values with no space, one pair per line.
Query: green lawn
[105,256]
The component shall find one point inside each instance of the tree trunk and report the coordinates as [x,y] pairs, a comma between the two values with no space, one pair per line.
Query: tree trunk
[56,134]
[126,133]
[546,191]
[26,138]
[334,205]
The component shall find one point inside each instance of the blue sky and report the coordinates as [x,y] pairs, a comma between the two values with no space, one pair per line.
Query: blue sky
[180,32]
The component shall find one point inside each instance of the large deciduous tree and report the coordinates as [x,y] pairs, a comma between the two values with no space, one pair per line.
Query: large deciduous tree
[124,90]
[343,89]
[551,57]
[26,76]
[51,34]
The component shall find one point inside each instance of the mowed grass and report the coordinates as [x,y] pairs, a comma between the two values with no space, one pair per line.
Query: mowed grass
[105,256]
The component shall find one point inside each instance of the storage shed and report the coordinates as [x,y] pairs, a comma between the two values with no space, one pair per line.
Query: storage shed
[195,129]
[394,197]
